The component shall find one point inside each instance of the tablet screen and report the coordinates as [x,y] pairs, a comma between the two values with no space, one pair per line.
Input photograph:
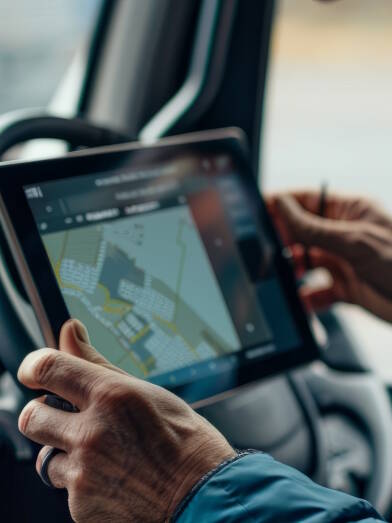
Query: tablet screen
[168,265]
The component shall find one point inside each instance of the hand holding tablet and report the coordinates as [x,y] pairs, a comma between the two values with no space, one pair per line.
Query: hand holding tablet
[131,452]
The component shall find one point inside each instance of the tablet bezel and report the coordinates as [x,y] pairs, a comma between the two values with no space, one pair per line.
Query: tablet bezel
[38,277]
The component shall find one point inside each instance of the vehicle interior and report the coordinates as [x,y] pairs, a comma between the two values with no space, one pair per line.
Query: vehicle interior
[144,70]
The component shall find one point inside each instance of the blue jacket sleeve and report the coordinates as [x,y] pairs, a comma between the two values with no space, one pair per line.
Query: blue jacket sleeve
[256,488]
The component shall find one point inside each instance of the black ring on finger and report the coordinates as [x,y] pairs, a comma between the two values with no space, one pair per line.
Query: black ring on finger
[43,473]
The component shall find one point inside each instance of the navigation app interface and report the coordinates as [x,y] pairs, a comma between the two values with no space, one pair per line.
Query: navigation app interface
[156,265]
[146,288]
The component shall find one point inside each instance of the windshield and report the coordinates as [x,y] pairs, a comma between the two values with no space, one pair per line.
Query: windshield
[328,109]
[39,41]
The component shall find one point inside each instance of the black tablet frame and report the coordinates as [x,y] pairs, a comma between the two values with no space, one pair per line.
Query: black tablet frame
[40,282]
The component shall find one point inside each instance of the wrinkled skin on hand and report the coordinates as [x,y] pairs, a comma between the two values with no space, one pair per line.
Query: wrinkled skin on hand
[132,452]
[353,241]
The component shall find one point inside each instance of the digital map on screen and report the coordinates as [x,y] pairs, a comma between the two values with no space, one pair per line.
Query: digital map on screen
[144,287]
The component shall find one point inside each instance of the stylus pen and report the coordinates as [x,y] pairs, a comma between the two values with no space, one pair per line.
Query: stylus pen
[321,212]
[323,199]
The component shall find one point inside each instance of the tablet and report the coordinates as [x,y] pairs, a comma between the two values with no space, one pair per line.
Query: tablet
[166,253]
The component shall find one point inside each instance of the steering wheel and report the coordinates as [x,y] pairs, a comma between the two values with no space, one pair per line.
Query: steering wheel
[19,330]
[312,398]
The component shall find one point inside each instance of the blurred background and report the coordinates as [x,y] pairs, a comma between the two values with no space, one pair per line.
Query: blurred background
[328,108]
[329,102]
[328,111]
[38,42]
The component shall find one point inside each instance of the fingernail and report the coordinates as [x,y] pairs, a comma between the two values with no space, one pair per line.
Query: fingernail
[80,332]
[26,370]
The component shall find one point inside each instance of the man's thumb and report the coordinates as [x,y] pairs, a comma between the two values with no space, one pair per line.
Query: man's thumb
[75,340]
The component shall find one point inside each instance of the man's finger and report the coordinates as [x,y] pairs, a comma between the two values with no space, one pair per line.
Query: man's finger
[63,374]
[58,467]
[300,259]
[310,200]
[318,299]
[46,425]
[335,236]
[74,339]
[305,260]
[314,258]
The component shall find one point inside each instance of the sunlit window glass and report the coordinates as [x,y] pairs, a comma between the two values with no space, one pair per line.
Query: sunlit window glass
[329,103]
[38,42]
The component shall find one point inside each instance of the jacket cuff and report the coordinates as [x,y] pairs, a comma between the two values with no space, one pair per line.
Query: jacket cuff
[194,490]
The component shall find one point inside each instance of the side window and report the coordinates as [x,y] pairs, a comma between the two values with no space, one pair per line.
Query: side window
[38,42]
[328,111]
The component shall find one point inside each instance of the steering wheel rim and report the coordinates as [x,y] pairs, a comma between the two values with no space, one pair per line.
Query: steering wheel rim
[29,124]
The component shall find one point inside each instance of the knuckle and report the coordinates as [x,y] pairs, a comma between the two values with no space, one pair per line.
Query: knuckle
[97,385]
[80,481]
[129,403]
[43,368]
[119,395]
[110,394]
[101,389]
[92,441]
